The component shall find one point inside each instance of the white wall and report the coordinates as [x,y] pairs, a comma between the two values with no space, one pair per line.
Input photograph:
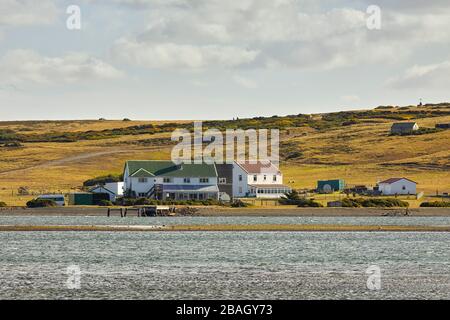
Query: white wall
[399,187]
[240,188]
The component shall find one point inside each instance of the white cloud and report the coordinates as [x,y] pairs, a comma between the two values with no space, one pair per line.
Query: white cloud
[27,12]
[27,66]
[433,76]
[245,82]
[172,55]
[266,33]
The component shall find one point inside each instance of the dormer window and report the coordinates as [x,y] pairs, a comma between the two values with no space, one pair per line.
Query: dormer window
[274,178]
[204,180]
[187,180]
[255,178]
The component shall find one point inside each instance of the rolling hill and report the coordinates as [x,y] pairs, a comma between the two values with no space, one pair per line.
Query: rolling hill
[57,156]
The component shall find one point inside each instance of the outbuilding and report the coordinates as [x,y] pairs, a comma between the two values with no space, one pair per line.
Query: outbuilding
[397,186]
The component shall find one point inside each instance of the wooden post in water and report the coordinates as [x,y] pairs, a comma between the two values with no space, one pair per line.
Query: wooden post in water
[121,213]
[109,210]
[125,213]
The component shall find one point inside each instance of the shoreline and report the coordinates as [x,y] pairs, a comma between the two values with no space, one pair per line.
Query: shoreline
[223,228]
[286,211]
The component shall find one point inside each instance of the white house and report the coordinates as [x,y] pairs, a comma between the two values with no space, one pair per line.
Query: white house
[114,189]
[166,180]
[397,186]
[260,179]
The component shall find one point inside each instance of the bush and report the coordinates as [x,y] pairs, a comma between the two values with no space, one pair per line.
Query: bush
[436,204]
[103,179]
[304,203]
[3,204]
[375,202]
[105,203]
[41,203]
[240,204]
[350,203]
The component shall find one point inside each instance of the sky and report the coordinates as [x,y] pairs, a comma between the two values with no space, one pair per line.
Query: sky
[215,59]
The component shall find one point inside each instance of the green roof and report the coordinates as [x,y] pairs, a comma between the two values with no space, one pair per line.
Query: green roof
[151,168]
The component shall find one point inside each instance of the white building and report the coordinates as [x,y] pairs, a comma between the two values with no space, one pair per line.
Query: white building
[397,186]
[166,180]
[114,189]
[260,180]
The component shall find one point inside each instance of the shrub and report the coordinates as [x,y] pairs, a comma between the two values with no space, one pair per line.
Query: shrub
[105,203]
[303,203]
[240,204]
[3,204]
[375,202]
[436,204]
[103,179]
[41,203]
[350,203]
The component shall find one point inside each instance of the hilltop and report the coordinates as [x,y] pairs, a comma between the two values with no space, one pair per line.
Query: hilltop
[52,156]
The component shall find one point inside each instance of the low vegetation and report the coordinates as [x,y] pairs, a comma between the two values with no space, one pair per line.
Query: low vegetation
[293,198]
[102,180]
[374,202]
[436,204]
[419,132]
[240,204]
[3,204]
[41,203]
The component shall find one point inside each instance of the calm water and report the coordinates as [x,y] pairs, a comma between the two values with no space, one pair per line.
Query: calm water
[224,265]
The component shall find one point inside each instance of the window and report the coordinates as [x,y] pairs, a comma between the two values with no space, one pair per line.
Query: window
[204,180]
[142,180]
[255,178]
[274,178]
[404,188]
[240,177]
[187,180]
[265,177]
[222,180]
[141,194]
[167,180]
[240,189]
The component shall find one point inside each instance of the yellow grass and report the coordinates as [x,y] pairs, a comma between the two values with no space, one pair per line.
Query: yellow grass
[359,154]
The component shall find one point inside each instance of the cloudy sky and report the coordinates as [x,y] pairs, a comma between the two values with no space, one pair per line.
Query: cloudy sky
[215,59]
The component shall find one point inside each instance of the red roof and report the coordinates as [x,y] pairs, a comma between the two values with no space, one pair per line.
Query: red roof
[258,167]
[393,180]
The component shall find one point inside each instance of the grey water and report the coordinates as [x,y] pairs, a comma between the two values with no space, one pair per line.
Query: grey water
[223,265]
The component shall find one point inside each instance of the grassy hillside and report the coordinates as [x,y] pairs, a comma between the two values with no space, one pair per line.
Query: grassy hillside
[50,156]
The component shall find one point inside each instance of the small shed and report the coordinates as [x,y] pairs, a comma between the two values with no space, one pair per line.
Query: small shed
[404,127]
[87,198]
[81,199]
[329,186]
[443,126]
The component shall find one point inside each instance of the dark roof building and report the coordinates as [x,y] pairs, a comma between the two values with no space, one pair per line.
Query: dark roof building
[404,127]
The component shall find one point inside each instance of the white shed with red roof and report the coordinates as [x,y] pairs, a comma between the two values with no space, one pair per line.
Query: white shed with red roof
[400,186]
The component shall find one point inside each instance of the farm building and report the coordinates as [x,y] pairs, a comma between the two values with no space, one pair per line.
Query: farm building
[165,180]
[404,127]
[113,189]
[327,186]
[87,198]
[443,126]
[397,186]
